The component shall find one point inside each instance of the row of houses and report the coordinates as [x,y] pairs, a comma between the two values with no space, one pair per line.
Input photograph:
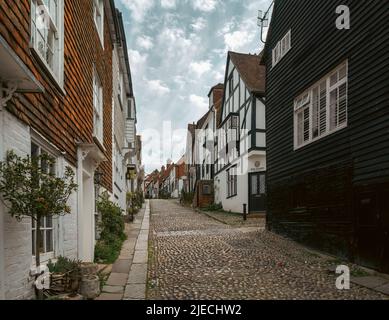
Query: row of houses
[299,132]
[167,182]
[65,90]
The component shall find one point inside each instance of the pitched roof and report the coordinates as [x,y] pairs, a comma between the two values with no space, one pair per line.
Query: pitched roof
[251,71]
[201,122]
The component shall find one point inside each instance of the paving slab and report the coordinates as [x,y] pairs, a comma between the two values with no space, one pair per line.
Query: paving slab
[138,274]
[117,279]
[113,289]
[370,282]
[121,266]
[140,257]
[383,289]
[135,292]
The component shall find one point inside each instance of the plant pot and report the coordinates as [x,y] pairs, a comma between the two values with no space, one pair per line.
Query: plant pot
[90,287]
[89,269]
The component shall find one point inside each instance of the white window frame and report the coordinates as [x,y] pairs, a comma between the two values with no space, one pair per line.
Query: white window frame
[56,27]
[98,10]
[46,255]
[282,48]
[98,108]
[305,101]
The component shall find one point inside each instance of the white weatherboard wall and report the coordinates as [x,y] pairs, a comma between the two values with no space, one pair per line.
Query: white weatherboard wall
[16,259]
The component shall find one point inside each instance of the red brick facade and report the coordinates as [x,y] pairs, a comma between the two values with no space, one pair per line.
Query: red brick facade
[64,118]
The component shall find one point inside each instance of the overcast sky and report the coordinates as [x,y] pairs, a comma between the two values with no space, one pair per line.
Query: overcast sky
[178,51]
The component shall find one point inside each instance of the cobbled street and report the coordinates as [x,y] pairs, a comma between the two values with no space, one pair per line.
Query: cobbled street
[194,256]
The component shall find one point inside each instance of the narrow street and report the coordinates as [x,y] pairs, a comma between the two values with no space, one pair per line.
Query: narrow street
[193,256]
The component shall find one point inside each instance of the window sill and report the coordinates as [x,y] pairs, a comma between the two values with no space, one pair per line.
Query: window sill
[231,197]
[297,148]
[48,72]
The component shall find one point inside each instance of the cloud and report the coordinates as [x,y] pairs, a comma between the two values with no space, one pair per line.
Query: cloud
[199,24]
[158,87]
[204,5]
[199,102]
[238,39]
[200,67]
[145,42]
[168,4]
[138,8]
[137,62]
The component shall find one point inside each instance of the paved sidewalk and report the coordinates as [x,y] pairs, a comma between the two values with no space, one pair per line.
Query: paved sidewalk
[130,270]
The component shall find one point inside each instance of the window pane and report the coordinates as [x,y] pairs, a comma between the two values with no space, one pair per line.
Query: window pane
[49,241]
[49,222]
[262,184]
[254,185]
[41,242]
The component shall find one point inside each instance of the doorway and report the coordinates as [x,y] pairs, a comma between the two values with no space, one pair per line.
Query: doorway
[257,192]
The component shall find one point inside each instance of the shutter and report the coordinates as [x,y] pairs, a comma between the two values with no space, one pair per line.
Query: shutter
[342,104]
[306,125]
[323,108]
[333,109]
[315,112]
[300,128]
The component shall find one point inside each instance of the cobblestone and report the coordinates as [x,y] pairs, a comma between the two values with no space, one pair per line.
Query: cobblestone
[193,256]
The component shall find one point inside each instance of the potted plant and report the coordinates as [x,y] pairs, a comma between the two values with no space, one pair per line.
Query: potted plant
[29,189]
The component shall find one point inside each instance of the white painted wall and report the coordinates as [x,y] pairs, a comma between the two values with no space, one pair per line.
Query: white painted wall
[15,237]
[235,204]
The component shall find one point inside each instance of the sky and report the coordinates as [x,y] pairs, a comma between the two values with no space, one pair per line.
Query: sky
[178,52]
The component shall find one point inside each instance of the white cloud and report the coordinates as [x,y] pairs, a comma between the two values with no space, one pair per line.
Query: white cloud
[158,87]
[204,5]
[145,42]
[138,8]
[199,102]
[238,39]
[168,4]
[137,62]
[199,24]
[200,67]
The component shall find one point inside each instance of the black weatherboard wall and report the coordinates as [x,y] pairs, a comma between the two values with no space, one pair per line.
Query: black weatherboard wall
[332,194]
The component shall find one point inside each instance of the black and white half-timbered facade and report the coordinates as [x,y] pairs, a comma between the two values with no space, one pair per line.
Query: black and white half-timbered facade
[240,155]
[327,102]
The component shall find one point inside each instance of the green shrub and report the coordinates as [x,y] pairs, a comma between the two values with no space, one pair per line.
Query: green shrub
[112,234]
[135,201]
[187,197]
[214,207]
[63,265]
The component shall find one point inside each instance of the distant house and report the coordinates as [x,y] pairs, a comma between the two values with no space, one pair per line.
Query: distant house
[204,149]
[190,171]
[177,178]
[328,127]
[240,178]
